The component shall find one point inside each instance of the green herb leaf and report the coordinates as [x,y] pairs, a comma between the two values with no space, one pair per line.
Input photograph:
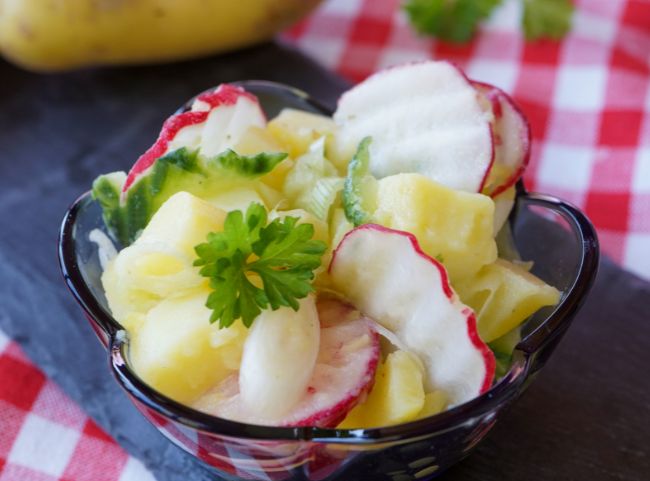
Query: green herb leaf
[360,187]
[182,169]
[458,20]
[547,18]
[453,20]
[254,265]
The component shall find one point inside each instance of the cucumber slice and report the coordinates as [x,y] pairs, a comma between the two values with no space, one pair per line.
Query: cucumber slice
[313,183]
[360,189]
[127,214]
[320,199]
[106,190]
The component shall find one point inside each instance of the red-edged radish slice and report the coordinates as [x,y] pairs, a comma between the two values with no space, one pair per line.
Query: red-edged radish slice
[215,123]
[278,359]
[512,140]
[385,274]
[344,373]
[424,118]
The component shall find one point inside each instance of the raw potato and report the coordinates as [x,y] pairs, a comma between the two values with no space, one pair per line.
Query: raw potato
[58,35]
[397,397]
[503,295]
[178,352]
[453,226]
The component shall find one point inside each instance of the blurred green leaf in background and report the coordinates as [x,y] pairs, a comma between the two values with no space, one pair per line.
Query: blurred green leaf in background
[458,20]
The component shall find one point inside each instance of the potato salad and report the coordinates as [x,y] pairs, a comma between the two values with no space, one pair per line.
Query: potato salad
[351,271]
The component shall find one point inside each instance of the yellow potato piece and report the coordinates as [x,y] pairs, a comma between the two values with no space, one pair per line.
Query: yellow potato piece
[453,226]
[339,226]
[397,396]
[178,352]
[159,263]
[503,295]
[126,303]
[182,222]
[296,130]
[236,199]
[434,402]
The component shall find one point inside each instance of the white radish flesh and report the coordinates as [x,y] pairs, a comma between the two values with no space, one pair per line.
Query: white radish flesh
[279,357]
[386,275]
[424,118]
[344,373]
[227,124]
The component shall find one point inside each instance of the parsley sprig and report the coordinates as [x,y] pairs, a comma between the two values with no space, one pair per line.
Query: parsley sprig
[458,20]
[253,265]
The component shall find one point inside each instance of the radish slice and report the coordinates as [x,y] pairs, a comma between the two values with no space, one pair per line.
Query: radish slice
[385,274]
[215,123]
[424,118]
[279,376]
[512,139]
[344,373]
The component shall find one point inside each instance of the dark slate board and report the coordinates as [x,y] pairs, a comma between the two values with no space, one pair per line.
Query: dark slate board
[584,418]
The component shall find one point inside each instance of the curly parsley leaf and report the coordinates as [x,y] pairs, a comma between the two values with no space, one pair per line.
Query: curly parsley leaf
[453,20]
[547,18]
[254,265]
[458,20]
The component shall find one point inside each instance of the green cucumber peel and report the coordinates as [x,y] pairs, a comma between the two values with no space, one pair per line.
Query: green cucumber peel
[360,187]
[126,214]
[503,349]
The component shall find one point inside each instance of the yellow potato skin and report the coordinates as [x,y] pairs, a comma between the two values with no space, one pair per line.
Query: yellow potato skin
[52,35]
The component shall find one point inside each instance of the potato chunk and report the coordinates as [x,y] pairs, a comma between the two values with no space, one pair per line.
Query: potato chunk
[297,130]
[178,352]
[503,295]
[397,396]
[452,226]
[159,263]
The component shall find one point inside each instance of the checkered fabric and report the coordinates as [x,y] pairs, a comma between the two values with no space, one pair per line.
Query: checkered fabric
[588,101]
[587,98]
[44,436]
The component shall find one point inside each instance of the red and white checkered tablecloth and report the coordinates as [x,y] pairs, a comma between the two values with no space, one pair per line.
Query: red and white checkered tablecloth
[44,436]
[587,98]
[588,101]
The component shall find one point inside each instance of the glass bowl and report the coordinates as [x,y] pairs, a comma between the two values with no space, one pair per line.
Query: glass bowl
[556,236]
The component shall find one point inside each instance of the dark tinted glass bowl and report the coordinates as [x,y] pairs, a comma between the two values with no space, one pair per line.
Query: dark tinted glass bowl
[556,236]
